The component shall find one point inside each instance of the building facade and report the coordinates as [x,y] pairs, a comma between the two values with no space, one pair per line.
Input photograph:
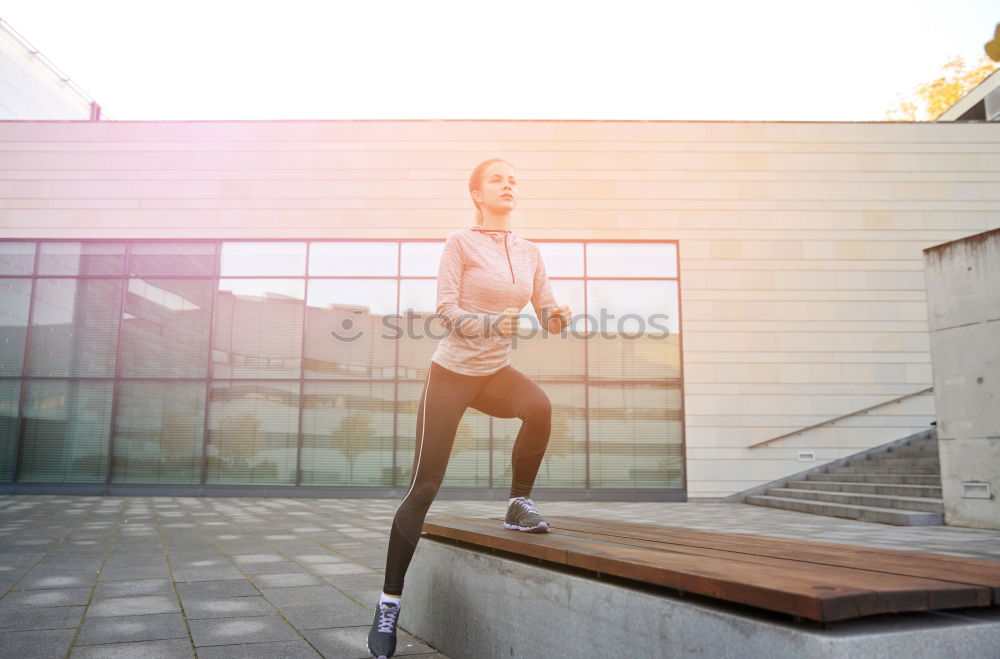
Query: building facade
[195,307]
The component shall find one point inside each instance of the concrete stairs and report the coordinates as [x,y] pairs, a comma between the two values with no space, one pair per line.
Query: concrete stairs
[897,484]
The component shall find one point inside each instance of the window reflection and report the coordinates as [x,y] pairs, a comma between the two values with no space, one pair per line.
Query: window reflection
[367,259]
[81,258]
[631,260]
[74,328]
[347,434]
[347,335]
[167,258]
[65,436]
[421,259]
[10,393]
[419,329]
[551,356]
[635,436]
[253,432]
[562,259]
[258,328]
[158,433]
[15,298]
[17,258]
[165,328]
[258,259]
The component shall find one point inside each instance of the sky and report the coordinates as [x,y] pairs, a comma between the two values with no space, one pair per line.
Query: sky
[794,60]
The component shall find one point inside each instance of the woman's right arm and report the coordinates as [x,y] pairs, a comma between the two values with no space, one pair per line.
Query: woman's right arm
[466,324]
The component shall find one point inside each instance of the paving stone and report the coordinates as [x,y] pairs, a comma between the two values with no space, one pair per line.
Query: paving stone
[133,573]
[19,618]
[318,617]
[285,580]
[222,588]
[40,579]
[272,568]
[225,607]
[229,631]
[39,644]
[133,605]
[46,597]
[352,642]
[283,649]
[121,629]
[207,574]
[304,595]
[166,649]
[108,589]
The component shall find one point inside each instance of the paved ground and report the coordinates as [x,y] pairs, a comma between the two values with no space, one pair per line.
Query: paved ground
[247,577]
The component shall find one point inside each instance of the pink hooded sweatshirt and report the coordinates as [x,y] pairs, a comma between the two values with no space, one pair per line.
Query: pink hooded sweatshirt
[483,272]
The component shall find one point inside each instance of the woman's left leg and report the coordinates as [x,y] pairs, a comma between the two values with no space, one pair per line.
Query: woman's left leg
[510,394]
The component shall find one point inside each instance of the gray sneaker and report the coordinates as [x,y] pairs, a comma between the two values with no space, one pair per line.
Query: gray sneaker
[522,516]
[382,634]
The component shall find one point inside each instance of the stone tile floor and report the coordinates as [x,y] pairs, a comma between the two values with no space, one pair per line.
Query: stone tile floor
[150,577]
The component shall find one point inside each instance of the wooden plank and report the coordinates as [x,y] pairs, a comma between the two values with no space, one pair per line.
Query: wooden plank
[802,589]
[955,569]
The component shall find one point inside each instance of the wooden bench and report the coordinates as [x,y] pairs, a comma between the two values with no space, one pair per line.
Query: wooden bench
[817,581]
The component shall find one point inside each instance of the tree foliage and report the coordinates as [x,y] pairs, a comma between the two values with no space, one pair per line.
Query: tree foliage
[928,100]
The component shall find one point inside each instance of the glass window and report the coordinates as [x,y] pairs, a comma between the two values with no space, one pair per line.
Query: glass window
[253,432]
[347,433]
[17,258]
[421,259]
[418,328]
[365,259]
[81,258]
[263,259]
[15,298]
[631,260]
[258,328]
[469,465]
[158,432]
[347,334]
[551,356]
[168,258]
[632,329]
[74,327]
[10,393]
[635,435]
[165,328]
[66,426]
[562,259]
[565,461]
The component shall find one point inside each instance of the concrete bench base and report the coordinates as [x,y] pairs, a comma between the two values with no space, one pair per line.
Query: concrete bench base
[472,603]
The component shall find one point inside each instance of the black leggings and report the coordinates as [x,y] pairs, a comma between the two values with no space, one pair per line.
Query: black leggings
[507,394]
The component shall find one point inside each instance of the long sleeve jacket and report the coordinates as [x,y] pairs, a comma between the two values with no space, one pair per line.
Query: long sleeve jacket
[483,272]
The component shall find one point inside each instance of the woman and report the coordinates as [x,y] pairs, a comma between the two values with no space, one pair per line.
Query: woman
[486,276]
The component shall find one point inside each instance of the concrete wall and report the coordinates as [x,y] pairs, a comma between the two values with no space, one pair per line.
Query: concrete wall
[800,243]
[963,295]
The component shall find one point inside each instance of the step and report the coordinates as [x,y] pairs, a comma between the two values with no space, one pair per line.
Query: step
[883,470]
[910,453]
[884,479]
[893,461]
[923,504]
[869,488]
[862,513]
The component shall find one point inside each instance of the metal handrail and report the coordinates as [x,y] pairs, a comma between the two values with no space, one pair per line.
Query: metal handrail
[841,417]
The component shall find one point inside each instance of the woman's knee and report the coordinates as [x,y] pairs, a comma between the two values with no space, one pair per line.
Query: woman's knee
[539,408]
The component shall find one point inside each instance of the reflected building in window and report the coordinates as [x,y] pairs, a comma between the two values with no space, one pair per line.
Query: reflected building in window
[197,366]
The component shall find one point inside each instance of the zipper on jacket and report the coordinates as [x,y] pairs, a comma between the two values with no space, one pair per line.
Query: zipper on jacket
[509,264]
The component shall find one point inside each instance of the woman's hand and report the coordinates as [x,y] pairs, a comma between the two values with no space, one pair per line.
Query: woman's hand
[509,321]
[559,319]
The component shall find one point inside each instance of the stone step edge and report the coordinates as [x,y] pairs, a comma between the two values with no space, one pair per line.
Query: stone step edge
[932,518]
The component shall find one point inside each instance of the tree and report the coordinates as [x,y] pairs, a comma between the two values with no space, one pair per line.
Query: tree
[930,99]
[352,436]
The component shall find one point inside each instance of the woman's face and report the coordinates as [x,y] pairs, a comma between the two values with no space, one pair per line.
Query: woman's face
[498,188]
